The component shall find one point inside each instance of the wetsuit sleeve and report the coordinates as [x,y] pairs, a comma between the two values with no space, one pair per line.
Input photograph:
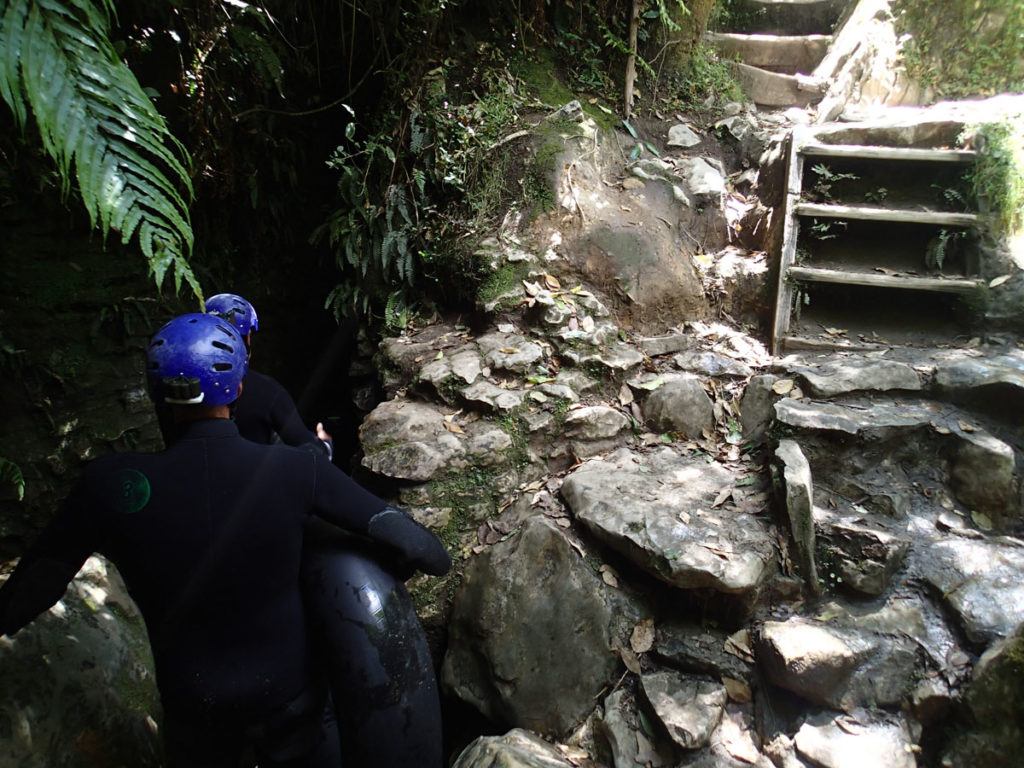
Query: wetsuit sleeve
[344,502]
[44,572]
[285,420]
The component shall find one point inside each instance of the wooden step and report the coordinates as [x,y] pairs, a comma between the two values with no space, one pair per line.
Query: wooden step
[871,213]
[888,153]
[910,282]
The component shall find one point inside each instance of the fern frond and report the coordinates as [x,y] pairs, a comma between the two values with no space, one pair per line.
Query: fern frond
[10,473]
[95,121]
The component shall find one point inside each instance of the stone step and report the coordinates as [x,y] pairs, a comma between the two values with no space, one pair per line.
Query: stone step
[774,89]
[788,54]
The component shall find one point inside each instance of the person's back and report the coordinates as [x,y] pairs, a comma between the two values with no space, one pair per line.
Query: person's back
[208,537]
[265,412]
[212,558]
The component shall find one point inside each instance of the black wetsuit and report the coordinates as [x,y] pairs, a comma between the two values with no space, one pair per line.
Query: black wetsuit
[266,413]
[208,538]
[364,623]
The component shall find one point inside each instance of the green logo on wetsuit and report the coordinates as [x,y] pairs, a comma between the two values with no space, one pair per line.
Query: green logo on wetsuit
[133,491]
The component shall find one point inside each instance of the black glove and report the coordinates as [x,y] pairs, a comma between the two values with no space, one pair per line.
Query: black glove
[420,548]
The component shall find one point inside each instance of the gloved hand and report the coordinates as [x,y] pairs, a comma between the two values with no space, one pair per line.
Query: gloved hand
[416,544]
[325,437]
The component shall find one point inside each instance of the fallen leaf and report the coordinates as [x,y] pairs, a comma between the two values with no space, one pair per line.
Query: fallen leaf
[738,644]
[453,428]
[625,395]
[647,755]
[532,289]
[796,393]
[508,351]
[563,522]
[628,657]
[941,428]
[828,614]
[982,521]
[782,386]
[439,356]
[652,385]
[966,427]
[642,639]
[738,690]
[684,516]
[609,576]
[724,494]
[552,282]
[995,282]
[850,725]
[587,324]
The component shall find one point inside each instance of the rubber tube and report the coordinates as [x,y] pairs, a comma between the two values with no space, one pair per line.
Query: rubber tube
[373,647]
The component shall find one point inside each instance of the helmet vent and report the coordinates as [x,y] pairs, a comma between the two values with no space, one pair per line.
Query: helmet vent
[222,345]
[222,366]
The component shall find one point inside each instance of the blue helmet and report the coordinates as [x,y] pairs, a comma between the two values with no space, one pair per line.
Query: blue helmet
[239,312]
[195,359]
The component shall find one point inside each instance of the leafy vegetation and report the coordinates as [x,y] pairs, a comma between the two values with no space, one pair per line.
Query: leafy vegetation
[998,175]
[10,474]
[963,48]
[99,126]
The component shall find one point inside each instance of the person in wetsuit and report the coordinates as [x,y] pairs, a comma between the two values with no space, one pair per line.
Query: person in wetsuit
[265,412]
[385,700]
[208,537]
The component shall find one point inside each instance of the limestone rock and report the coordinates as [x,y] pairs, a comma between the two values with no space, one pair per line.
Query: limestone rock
[680,405]
[980,582]
[865,557]
[799,494]
[516,749]
[530,632]
[851,743]
[853,374]
[681,136]
[996,701]
[983,474]
[509,351]
[694,648]
[407,440]
[806,659]
[689,709]
[78,685]
[670,529]
[493,396]
[757,406]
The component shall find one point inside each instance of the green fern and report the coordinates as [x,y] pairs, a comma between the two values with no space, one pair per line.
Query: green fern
[95,121]
[10,473]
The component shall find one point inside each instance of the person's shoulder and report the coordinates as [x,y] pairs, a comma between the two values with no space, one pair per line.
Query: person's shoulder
[261,378]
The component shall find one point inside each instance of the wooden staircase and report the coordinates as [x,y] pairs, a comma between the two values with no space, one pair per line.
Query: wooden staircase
[878,245]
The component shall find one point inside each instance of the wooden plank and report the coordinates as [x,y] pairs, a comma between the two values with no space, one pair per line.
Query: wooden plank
[889,153]
[790,225]
[806,342]
[868,213]
[870,279]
